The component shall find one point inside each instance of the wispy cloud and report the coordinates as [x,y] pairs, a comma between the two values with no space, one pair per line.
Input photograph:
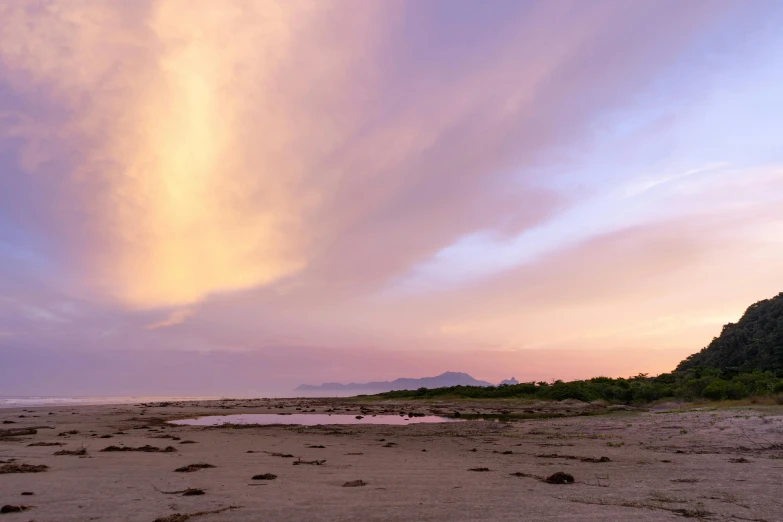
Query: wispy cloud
[643,185]
[175,317]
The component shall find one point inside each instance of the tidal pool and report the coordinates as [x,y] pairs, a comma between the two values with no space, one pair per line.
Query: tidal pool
[305,419]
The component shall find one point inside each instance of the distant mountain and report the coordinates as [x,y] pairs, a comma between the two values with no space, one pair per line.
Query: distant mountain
[755,342]
[440,381]
[510,381]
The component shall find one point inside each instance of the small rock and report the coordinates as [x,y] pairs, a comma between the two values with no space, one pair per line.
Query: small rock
[8,508]
[560,478]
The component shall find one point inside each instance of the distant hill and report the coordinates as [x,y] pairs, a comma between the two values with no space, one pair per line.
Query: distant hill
[440,381]
[753,343]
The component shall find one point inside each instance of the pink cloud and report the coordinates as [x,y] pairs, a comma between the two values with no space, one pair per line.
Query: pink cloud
[258,172]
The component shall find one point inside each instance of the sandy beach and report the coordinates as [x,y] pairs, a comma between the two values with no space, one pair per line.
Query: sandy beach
[711,464]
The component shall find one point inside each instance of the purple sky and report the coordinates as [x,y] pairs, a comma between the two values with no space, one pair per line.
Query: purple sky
[233,197]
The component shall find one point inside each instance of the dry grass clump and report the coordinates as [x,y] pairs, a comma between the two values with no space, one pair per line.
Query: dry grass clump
[22,468]
[183,517]
[277,454]
[77,452]
[194,467]
[265,476]
[189,492]
[46,444]
[740,460]
[573,457]
[146,448]
[696,511]
[311,462]
[594,459]
[527,475]
[15,432]
[661,496]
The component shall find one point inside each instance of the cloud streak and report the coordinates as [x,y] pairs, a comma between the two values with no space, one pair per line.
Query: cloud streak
[175,317]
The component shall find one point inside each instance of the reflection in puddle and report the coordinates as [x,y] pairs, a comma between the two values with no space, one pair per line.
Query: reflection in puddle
[308,419]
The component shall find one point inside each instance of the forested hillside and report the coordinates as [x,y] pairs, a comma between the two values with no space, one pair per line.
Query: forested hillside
[755,342]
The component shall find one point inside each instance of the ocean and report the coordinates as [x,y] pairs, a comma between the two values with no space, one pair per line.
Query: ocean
[23,401]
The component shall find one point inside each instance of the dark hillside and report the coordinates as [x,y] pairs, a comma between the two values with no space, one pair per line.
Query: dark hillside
[755,342]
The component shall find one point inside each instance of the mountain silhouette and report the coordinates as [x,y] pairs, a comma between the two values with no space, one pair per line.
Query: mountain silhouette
[439,381]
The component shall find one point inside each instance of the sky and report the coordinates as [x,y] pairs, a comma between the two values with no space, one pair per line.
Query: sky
[238,197]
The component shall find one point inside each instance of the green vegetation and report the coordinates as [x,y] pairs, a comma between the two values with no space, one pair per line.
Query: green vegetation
[746,360]
[753,343]
[694,383]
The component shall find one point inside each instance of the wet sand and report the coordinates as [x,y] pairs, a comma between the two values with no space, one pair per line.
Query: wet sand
[724,464]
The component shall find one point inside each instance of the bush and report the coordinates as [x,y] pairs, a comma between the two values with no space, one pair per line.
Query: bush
[693,383]
[720,390]
[715,391]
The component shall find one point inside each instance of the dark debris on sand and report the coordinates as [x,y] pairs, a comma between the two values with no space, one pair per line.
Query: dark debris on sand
[311,462]
[8,508]
[146,449]
[22,468]
[189,492]
[527,475]
[16,432]
[354,484]
[560,478]
[183,517]
[265,476]
[194,467]
[478,469]
[573,457]
[278,454]
[165,436]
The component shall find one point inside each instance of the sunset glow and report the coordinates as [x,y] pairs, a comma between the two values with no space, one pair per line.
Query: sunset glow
[363,190]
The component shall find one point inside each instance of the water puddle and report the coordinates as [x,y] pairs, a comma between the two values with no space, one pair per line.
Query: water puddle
[304,419]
